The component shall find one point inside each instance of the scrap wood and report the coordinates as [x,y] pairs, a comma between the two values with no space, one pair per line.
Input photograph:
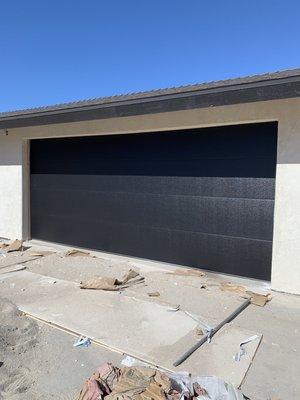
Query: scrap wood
[257,299]
[113,284]
[187,272]
[15,245]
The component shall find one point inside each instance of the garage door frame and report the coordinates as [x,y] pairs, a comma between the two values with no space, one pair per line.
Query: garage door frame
[26,152]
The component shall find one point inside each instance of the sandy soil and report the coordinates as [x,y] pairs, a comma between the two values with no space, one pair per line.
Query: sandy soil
[40,362]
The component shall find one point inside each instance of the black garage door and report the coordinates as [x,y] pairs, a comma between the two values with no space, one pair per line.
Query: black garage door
[202,197]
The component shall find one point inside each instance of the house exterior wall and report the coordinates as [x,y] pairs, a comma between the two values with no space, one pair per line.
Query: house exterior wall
[14,168]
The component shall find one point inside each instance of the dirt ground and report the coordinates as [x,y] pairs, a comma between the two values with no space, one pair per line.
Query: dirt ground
[41,362]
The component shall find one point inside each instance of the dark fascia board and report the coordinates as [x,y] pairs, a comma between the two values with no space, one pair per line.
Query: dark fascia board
[280,85]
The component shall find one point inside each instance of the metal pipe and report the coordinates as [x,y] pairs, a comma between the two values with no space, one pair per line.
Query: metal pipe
[210,334]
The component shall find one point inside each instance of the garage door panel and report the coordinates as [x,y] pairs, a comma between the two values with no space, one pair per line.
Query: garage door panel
[212,252]
[232,217]
[233,254]
[193,167]
[201,197]
[164,153]
[253,188]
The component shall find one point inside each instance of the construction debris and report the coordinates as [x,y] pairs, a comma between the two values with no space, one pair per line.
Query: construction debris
[199,332]
[187,272]
[101,383]
[208,336]
[257,299]
[230,287]
[242,350]
[145,383]
[77,253]
[82,341]
[153,294]
[16,245]
[174,308]
[113,284]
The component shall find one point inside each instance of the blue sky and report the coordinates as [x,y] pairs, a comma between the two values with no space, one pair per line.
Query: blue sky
[57,51]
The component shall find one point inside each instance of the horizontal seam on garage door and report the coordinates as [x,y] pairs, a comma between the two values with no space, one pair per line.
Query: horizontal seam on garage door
[152,194]
[160,228]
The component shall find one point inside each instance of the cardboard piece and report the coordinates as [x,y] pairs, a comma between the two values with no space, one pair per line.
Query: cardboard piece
[113,284]
[257,299]
[15,245]
[187,272]
[77,253]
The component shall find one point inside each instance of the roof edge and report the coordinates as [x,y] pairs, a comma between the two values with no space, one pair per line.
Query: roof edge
[285,84]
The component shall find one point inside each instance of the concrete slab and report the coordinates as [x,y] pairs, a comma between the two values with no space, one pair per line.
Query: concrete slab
[14,258]
[211,304]
[142,329]
[217,357]
[270,373]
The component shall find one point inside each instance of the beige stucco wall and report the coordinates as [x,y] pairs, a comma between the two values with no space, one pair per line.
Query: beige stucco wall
[286,256]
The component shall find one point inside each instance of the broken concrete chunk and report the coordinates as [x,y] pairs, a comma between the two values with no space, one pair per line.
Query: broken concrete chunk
[187,272]
[113,284]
